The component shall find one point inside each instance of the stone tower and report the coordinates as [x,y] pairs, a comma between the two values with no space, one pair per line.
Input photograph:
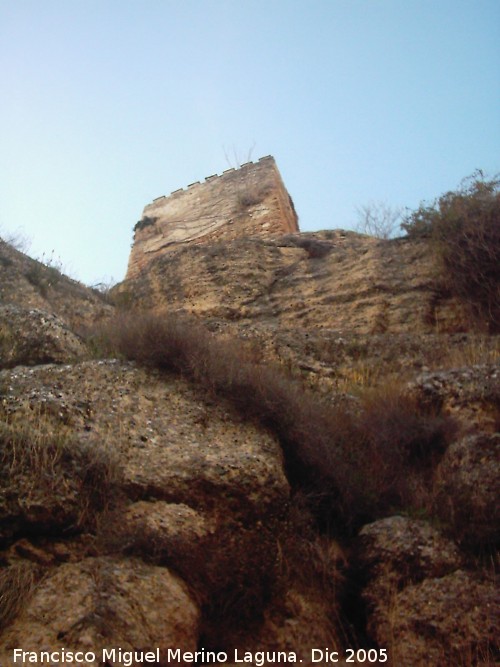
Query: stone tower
[251,200]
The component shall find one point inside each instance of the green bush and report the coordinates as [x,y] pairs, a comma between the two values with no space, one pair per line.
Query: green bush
[463,228]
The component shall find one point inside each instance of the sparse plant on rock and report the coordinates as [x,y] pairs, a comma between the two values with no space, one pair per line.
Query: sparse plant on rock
[146,221]
[60,482]
[356,465]
[45,272]
[17,240]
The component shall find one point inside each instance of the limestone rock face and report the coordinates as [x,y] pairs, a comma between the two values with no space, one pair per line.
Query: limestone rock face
[396,551]
[29,337]
[334,280]
[104,603]
[172,445]
[419,603]
[451,620]
[195,491]
[174,531]
[30,284]
[468,392]
[241,202]
[467,488]
[143,511]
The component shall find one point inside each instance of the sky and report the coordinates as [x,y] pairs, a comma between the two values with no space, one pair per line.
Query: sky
[108,104]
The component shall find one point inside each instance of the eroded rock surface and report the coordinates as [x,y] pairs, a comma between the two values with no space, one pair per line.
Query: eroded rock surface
[104,603]
[172,444]
[30,337]
[195,490]
[470,393]
[397,551]
[330,280]
[419,601]
[452,620]
[136,508]
[467,489]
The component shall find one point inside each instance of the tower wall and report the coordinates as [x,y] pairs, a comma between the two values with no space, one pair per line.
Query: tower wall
[251,200]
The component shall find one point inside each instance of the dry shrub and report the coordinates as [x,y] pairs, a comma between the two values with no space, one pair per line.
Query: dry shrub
[247,198]
[402,444]
[463,228]
[354,465]
[378,219]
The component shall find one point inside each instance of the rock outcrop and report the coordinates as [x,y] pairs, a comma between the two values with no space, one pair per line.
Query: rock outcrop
[329,280]
[29,337]
[471,393]
[451,620]
[99,604]
[418,599]
[141,510]
[467,489]
[190,489]
[30,284]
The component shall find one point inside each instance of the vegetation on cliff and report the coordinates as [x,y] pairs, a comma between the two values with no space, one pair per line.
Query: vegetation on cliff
[356,463]
[463,231]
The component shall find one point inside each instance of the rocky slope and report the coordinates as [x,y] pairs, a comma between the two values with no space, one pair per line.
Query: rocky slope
[324,280]
[30,284]
[141,511]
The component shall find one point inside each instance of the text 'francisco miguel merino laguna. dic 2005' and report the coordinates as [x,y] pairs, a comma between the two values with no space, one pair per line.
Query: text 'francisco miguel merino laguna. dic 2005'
[127,658]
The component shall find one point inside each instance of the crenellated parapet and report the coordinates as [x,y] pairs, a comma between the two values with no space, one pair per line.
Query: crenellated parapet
[251,200]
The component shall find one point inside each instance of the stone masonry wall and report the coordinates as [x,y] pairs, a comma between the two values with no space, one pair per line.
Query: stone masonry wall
[251,200]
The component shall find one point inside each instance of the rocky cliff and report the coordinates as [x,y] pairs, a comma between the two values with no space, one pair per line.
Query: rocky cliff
[325,280]
[155,506]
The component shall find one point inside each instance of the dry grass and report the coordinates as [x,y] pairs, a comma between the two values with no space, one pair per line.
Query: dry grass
[17,584]
[360,375]
[476,350]
[37,449]
[40,460]
[7,345]
[354,465]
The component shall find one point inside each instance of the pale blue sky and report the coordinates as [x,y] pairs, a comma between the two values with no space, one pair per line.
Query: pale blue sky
[107,104]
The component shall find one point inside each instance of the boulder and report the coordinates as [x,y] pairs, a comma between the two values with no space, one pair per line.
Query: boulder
[452,620]
[466,483]
[104,603]
[31,336]
[469,393]
[198,491]
[174,443]
[420,604]
[397,551]
[173,534]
